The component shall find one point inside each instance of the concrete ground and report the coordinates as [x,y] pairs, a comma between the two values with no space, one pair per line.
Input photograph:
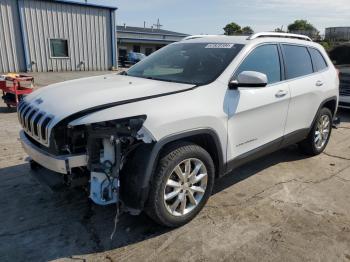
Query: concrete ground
[283,207]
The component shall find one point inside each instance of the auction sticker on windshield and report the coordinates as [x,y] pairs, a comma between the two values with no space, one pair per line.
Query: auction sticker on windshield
[219,45]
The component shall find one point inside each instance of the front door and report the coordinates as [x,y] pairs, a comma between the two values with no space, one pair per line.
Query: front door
[257,116]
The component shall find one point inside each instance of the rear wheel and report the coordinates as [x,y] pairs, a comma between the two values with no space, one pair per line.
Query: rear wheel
[320,133]
[181,185]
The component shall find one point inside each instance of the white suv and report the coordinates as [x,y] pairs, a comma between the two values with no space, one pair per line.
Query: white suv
[156,137]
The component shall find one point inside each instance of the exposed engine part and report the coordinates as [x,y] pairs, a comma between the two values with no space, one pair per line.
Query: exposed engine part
[109,144]
[103,189]
[104,178]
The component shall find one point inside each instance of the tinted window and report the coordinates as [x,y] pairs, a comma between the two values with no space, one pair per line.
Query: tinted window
[191,63]
[297,60]
[59,48]
[264,59]
[318,59]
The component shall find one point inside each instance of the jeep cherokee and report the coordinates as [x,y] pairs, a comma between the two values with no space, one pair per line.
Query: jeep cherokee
[156,136]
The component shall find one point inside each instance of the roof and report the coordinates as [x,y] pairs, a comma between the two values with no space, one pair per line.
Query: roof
[334,27]
[110,4]
[133,29]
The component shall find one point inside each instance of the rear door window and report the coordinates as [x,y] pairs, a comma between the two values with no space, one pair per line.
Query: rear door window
[318,60]
[297,60]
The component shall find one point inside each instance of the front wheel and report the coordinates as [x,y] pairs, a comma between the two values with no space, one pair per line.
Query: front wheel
[181,185]
[320,134]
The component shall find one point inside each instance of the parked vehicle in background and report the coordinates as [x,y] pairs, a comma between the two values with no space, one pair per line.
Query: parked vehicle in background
[340,56]
[156,136]
[344,89]
[131,59]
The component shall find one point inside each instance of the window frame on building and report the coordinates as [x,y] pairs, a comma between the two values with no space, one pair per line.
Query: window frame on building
[51,49]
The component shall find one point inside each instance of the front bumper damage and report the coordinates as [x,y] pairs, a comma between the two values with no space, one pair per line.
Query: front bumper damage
[109,150]
[60,164]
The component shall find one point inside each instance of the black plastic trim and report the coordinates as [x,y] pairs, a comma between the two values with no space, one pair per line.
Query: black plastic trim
[161,143]
[289,139]
[295,137]
[253,154]
[333,98]
[149,166]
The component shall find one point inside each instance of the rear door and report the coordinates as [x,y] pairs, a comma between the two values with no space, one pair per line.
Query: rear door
[305,86]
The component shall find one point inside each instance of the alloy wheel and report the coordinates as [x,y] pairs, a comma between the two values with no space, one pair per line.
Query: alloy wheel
[185,187]
[322,131]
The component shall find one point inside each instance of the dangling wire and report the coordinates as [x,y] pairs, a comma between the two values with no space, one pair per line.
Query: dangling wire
[116,219]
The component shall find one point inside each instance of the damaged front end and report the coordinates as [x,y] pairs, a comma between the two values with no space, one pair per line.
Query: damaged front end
[109,145]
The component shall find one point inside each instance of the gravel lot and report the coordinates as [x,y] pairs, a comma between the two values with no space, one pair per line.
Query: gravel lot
[284,207]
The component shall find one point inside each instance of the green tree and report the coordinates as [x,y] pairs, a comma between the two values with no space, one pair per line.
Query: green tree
[327,45]
[232,29]
[247,30]
[301,25]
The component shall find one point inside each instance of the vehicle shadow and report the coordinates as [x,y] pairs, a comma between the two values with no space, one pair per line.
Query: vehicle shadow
[288,154]
[41,223]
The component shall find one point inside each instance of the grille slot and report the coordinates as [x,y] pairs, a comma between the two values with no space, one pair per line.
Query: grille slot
[30,118]
[34,122]
[25,117]
[44,127]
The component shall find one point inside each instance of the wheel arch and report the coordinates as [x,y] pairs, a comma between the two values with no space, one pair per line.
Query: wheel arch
[331,103]
[138,189]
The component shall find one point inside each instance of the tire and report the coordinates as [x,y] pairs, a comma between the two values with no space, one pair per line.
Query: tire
[312,147]
[170,212]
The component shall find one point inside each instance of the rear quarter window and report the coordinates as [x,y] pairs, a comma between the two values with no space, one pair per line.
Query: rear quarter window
[297,61]
[318,60]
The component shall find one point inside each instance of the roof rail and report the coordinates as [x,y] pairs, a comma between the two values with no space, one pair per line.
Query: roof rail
[199,36]
[275,34]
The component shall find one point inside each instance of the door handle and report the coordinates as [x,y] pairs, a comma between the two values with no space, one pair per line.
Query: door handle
[319,83]
[281,93]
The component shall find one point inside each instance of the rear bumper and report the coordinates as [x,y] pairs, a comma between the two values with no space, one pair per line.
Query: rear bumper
[61,164]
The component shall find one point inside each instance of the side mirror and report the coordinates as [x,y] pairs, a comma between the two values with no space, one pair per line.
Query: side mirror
[249,79]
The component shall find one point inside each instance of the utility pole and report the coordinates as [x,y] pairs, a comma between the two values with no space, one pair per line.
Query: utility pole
[158,25]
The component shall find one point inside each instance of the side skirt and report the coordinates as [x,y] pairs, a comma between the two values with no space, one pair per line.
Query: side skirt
[266,149]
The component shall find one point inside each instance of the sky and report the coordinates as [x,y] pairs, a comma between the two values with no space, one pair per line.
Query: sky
[210,16]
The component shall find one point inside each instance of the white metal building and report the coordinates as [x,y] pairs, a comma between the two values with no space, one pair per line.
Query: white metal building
[338,34]
[60,35]
[144,40]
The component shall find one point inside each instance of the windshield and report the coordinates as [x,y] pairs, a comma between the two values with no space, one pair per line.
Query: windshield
[190,63]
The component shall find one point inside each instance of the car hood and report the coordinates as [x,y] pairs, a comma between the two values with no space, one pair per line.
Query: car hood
[64,99]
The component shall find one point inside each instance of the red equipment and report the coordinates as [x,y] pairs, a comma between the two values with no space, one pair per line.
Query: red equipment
[14,87]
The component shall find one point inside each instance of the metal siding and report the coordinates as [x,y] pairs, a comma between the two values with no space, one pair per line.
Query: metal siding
[87,29]
[11,48]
